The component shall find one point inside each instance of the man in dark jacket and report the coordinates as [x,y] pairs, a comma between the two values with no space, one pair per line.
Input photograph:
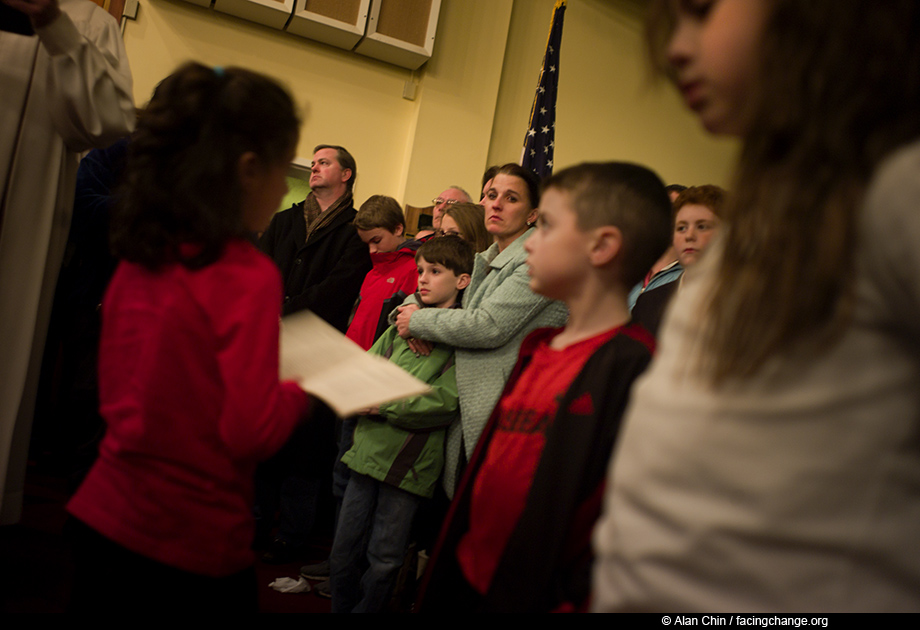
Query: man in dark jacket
[322,260]
[323,263]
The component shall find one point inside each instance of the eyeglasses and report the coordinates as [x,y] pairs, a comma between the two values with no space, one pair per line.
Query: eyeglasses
[438,201]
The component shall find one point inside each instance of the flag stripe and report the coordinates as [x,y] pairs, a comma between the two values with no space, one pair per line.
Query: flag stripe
[540,140]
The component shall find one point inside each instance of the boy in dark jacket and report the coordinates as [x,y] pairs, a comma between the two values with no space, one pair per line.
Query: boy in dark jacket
[517,536]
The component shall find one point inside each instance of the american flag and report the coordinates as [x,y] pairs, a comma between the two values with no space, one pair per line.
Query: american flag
[539,143]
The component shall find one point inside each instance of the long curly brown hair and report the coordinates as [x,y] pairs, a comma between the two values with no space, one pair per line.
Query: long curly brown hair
[180,184]
[837,90]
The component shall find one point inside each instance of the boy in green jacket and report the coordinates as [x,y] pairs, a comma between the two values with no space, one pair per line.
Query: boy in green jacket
[398,450]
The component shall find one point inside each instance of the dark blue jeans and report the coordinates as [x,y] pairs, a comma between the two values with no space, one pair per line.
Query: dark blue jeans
[385,513]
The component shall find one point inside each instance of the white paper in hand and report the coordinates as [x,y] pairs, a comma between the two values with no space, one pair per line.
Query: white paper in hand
[335,369]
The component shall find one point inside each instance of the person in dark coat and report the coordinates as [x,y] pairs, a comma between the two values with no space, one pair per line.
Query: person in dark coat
[322,260]
[323,263]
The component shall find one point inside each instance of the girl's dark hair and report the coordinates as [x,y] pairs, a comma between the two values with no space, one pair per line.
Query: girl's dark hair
[529,178]
[181,198]
[836,91]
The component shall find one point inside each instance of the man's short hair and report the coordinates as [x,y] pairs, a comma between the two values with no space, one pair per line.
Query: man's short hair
[344,159]
[627,196]
[380,211]
[465,194]
[450,251]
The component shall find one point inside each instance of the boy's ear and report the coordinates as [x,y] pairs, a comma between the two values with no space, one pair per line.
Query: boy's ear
[399,230]
[606,245]
[463,281]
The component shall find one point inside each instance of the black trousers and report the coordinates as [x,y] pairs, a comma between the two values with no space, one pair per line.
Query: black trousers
[109,578]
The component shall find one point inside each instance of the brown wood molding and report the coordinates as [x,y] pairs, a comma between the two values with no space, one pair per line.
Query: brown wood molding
[115,7]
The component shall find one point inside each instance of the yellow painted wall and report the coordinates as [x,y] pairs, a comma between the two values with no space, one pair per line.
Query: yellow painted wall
[607,108]
[473,96]
[459,90]
[350,99]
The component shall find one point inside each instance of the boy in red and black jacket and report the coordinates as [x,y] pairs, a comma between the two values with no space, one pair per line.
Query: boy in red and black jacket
[517,536]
